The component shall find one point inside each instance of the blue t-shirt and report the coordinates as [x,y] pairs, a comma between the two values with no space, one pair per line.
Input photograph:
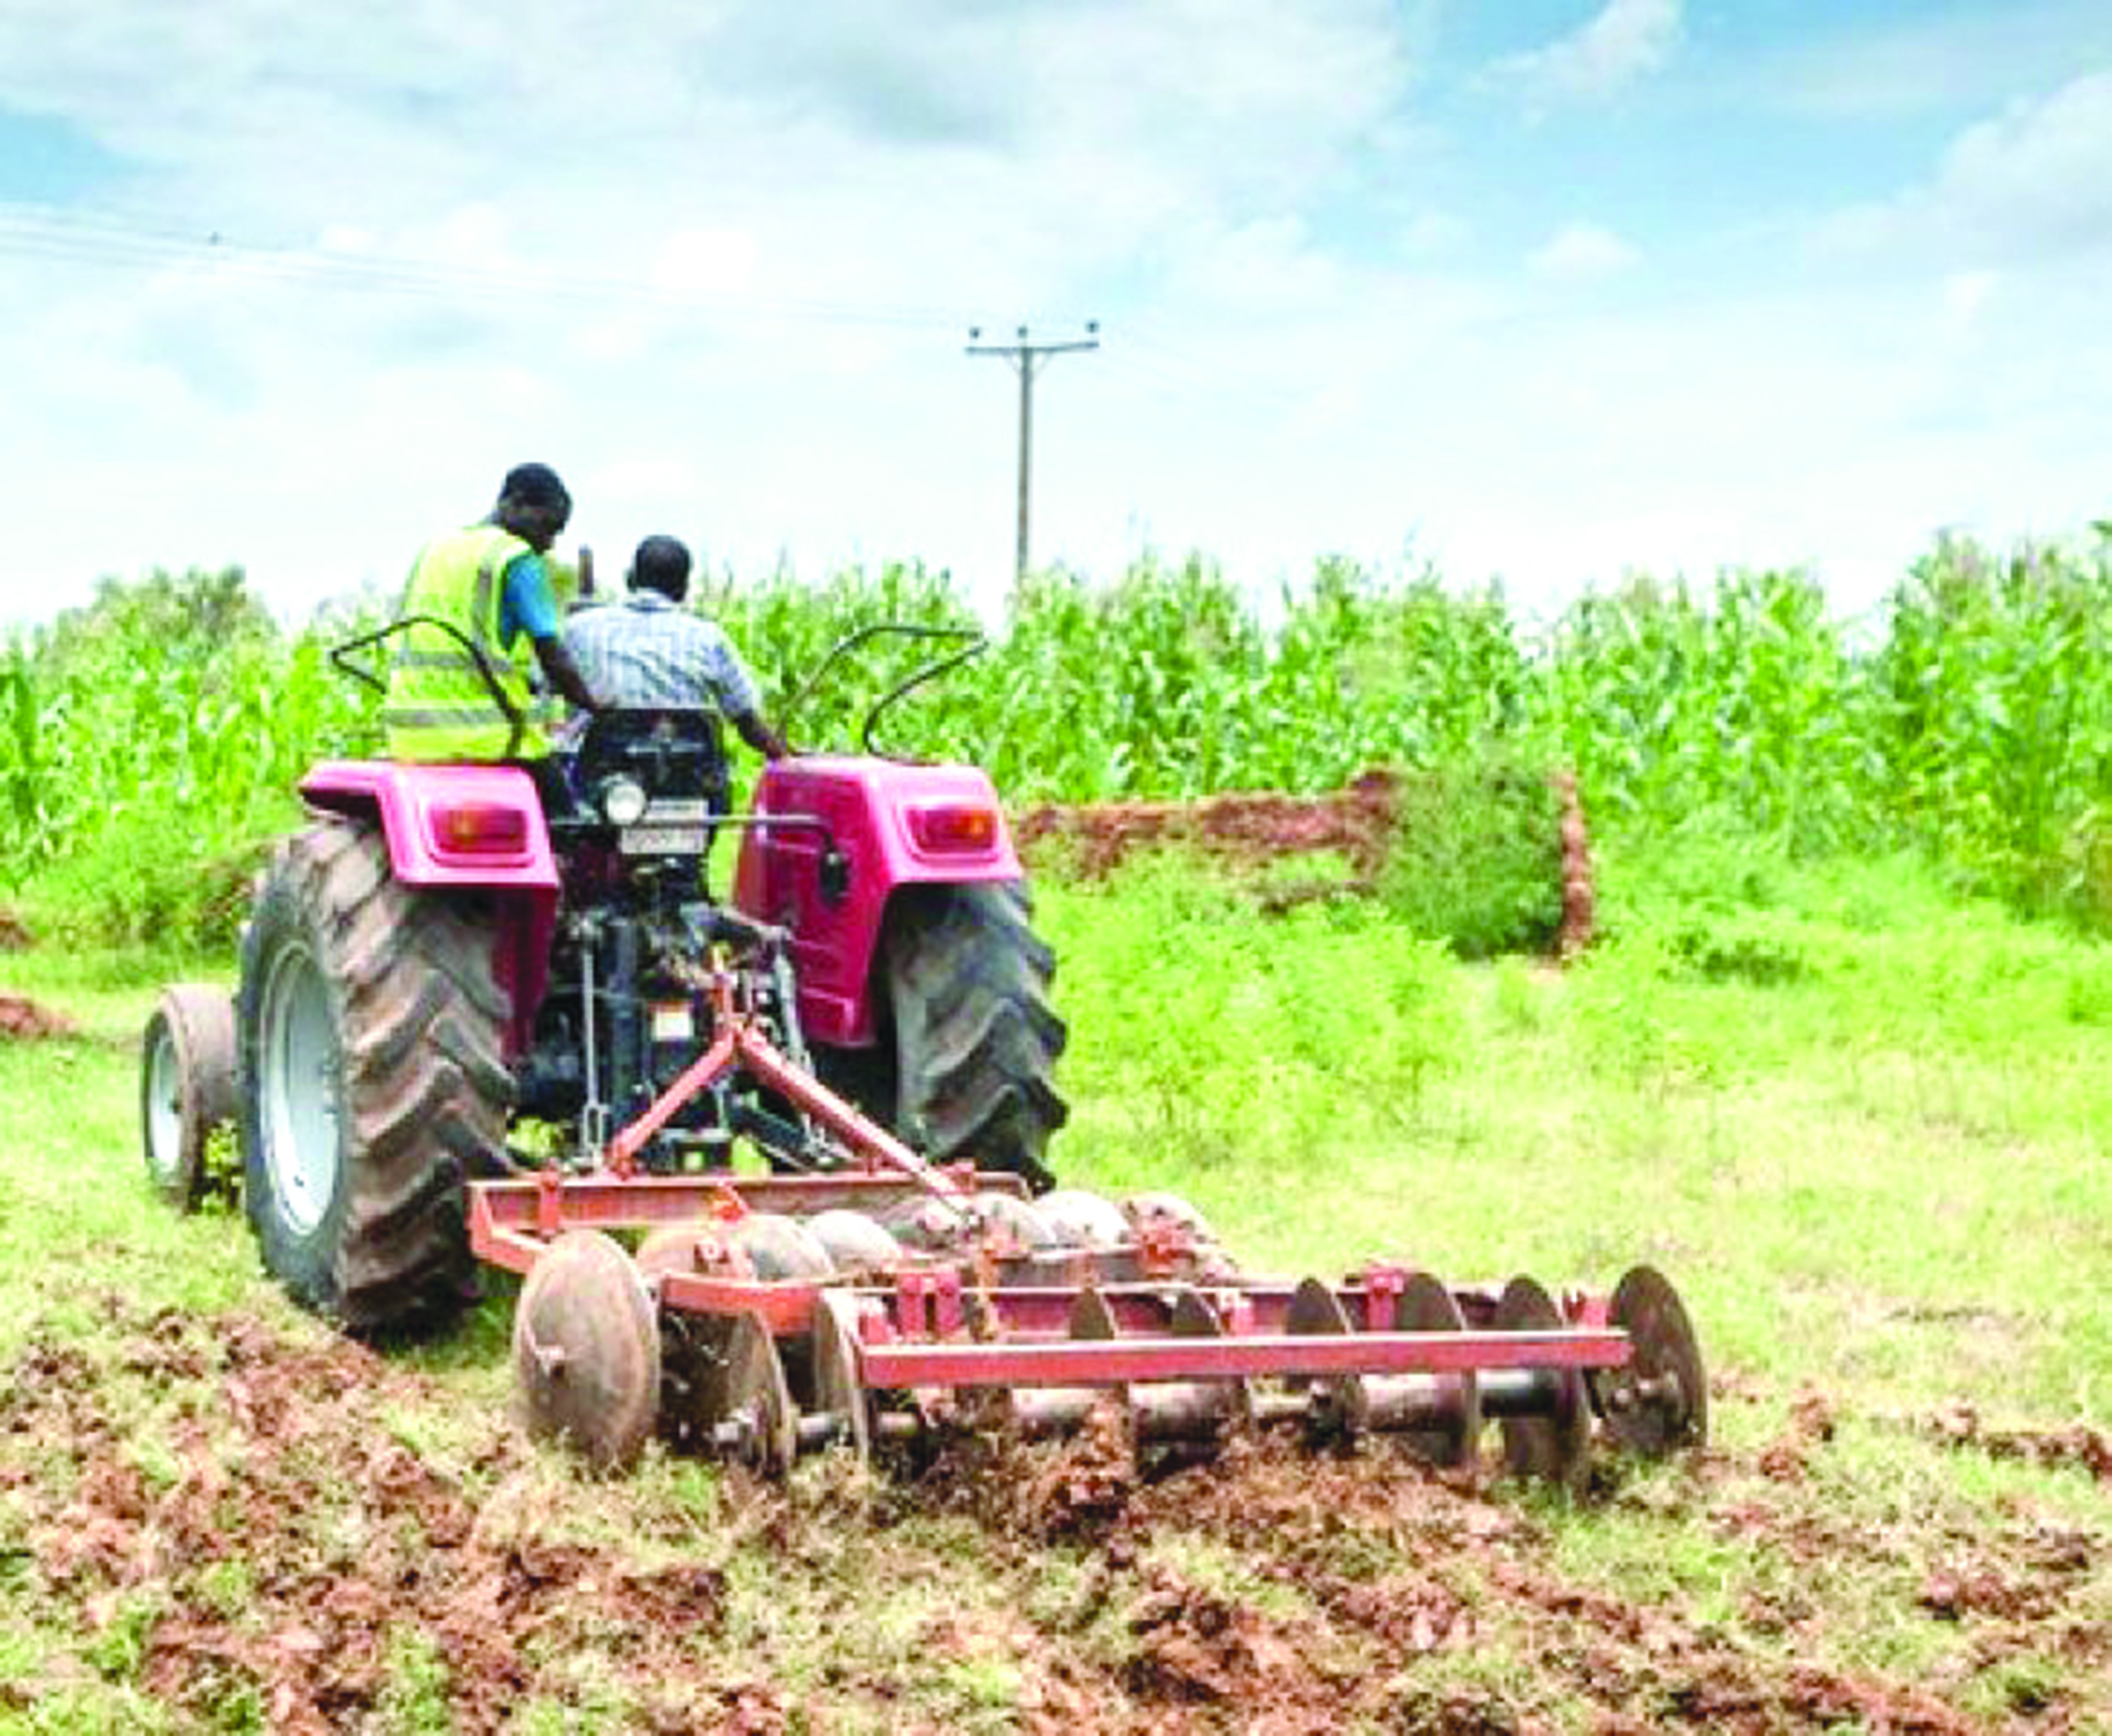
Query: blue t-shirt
[525,605]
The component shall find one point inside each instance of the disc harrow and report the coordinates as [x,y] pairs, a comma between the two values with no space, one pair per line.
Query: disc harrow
[887,1301]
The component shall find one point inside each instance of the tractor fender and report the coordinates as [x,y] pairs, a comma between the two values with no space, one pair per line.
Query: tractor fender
[463,828]
[446,825]
[891,826]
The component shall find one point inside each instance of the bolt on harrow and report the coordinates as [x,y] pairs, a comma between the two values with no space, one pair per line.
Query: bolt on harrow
[889,1301]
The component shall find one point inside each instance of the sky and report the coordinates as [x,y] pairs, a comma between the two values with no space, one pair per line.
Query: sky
[1544,291]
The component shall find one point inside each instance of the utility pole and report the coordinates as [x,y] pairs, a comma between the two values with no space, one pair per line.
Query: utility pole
[1028,358]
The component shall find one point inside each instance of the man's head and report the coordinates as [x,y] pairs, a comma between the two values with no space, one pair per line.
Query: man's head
[533,504]
[662,564]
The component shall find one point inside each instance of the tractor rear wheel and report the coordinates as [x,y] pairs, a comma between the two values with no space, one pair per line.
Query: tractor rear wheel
[968,1041]
[373,1082]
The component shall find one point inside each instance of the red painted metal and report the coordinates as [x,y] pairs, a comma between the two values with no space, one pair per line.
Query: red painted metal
[988,1313]
[411,802]
[785,1308]
[1117,1361]
[739,1041]
[865,805]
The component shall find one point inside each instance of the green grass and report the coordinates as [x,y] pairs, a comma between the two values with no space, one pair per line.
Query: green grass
[1886,1170]
[1860,1123]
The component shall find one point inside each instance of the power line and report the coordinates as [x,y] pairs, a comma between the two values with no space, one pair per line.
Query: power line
[1027,359]
[94,240]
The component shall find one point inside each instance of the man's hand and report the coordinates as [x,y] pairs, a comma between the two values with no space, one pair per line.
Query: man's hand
[761,736]
[564,677]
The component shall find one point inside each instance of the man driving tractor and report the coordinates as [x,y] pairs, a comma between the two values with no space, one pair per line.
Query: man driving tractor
[648,650]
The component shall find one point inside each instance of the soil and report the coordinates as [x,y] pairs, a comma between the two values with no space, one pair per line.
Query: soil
[22,1020]
[14,935]
[285,1539]
[1252,830]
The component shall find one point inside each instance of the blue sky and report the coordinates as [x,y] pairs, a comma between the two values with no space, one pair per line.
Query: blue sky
[1548,291]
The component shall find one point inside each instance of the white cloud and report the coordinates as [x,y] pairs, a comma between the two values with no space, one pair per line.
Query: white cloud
[2042,171]
[1924,60]
[1966,294]
[801,212]
[1625,42]
[1577,251]
[2033,183]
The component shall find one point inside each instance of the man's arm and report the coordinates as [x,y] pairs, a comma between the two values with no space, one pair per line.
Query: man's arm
[727,676]
[563,675]
[529,608]
[760,736]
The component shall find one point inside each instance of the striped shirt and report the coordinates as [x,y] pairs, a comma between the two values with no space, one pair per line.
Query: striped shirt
[647,650]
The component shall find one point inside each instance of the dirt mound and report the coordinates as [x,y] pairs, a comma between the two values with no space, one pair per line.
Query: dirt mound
[1356,822]
[1252,829]
[22,1020]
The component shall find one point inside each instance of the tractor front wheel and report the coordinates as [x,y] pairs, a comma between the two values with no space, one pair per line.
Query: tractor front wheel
[373,1082]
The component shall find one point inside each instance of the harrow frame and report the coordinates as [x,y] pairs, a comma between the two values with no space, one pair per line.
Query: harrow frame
[784,1361]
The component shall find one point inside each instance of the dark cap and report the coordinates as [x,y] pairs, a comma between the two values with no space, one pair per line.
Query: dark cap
[535,484]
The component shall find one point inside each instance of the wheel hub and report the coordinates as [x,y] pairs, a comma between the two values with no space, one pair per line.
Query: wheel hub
[300,1091]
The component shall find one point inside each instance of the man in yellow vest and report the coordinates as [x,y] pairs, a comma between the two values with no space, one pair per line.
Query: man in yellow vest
[459,685]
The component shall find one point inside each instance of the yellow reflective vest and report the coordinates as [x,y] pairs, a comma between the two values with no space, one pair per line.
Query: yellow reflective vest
[457,694]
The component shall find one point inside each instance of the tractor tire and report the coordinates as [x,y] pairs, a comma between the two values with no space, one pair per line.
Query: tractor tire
[968,1041]
[373,1082]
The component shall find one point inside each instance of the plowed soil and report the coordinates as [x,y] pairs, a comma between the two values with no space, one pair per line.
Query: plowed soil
[23,1020]
[279,1538]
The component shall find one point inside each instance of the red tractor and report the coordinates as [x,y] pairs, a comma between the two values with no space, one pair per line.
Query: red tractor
[469,1030]
[434,961]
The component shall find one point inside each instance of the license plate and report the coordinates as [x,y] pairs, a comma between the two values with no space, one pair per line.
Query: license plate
[662,841]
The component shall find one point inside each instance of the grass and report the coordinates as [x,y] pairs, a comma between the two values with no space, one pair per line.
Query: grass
[1883,1172]
[1858,1123]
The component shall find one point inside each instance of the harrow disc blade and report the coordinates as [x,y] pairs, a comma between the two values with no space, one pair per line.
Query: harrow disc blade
[1196,1411]
[1316,1310]
[759,1427]
[1452,1440]
[1091,1318]
[838,1393]
[1036,1411]
[1659,1402]
[854,1242]
[1148,1211]
[1553,1440]
[692,1346]
[781,1248]
[1083,1220]
[586,1350]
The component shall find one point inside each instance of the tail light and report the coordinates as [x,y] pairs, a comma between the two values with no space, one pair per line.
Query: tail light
[954,828]
[478,829]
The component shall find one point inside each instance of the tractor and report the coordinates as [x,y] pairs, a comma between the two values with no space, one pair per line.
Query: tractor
[773,1166]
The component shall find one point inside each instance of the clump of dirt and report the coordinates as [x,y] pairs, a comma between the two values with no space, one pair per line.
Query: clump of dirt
[1071,1489]
[2078,1445]
[14,932]
[1193,1644]
[23,1020]
[1788,1458]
